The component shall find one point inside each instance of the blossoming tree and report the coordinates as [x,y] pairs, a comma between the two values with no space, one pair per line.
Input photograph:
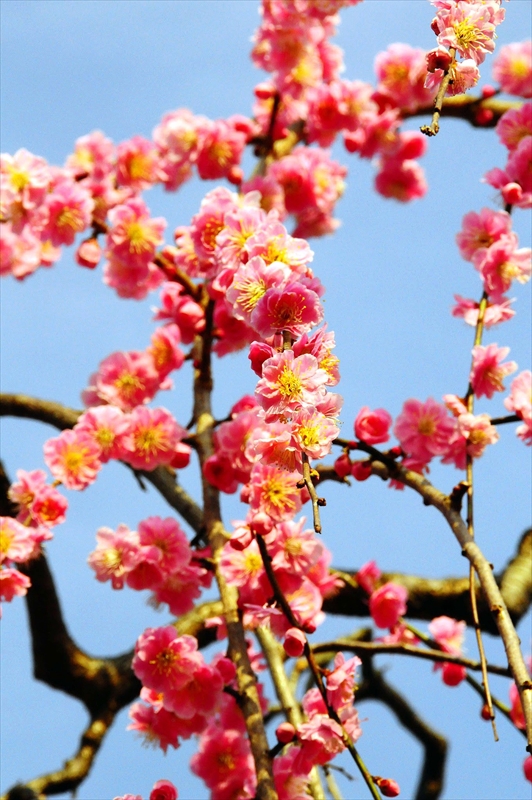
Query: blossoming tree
[243,664]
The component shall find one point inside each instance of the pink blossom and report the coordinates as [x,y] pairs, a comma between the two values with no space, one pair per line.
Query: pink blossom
[274,491]
[514,125]
[224,761]
[117,553]
[289,382]
[93,156]
[16,541]
[181,589]
[527,768]
[341,681]
[502,263]
[294,643]
[452,674]
[89,253]
[169,539]
[516,708]
[480,231]
[24,180]
[387,604]
[251,282]
[388,787]
[73,458]
[292,549]
[313,432]
[293,308]
[372,427]
[219,472]
[321,739]
[423,429]
[401,180]
[152,437]
[519,401]
[448,633]
[464,75]
[494,313]
[220,150]
[181,309]
[401,72]
[20,254]
[487,371]
[66,211]
[132,283]
[245,569]
[368,575]
[361,470]
[137,164]
[163,790]
[133,237]
[165,351]
[468,27]
[512,68]
[124,379]
[107,426]
[239,226]
[48,508]
[13,584]
[164,660]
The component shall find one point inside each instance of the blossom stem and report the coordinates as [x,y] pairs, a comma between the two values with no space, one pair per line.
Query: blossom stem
[316,501]
[434,127]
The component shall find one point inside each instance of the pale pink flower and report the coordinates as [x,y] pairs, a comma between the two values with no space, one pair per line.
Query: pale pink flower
[245,569]
[124,379]
[487,371]
[341,681]
[24,180]
[401,180]
[273,443]
[321,740]
[132,283]
[274,491]
[401,72]
[165,661]
[288,383]
[514,125]
[240,225]
[291,548]
[20,254]
[13,584]
[169,539]
[93,156]
[501,264]
[423,429]
[473,434]
[449,633]
[73,458]
[220,149]
[512,68]
[164,349]
[294,308]
[372,427]
[313,432]
[116,554]
[467,27]
[132,236]
[464,75]
[108,426]
[387,604]
[24,491]
[66,211]
[494,313]
[251,282]
[291,783]
[137,164]
[480,231]
[152,437]
[273,243]
[183,310]
[16,540]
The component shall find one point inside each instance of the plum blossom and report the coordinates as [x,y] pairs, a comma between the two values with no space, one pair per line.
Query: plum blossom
[423,429]
[152,438]
[480,231]
[512,68]
[487,371]
[387,604]
[520,402]
[289,382]
[73,458]
[372,427]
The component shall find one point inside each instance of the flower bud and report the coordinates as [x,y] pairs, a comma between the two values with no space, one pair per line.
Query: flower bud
[89,253]
[294,642]
[388,786]
[285,732]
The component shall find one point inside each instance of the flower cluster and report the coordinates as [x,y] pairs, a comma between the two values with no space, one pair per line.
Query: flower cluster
[465,28]
[40,508]
[157,557]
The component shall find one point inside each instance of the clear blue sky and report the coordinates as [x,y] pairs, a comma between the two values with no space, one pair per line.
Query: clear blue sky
[390,272]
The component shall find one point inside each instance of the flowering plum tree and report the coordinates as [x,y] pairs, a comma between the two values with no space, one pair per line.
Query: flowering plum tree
[254,667]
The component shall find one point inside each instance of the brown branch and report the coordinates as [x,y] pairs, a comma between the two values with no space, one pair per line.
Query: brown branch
[62,417]
[467,107]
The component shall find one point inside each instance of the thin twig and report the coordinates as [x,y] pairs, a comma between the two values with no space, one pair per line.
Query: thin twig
[434,127]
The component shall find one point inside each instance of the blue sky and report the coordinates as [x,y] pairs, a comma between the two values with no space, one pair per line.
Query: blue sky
[390,272]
